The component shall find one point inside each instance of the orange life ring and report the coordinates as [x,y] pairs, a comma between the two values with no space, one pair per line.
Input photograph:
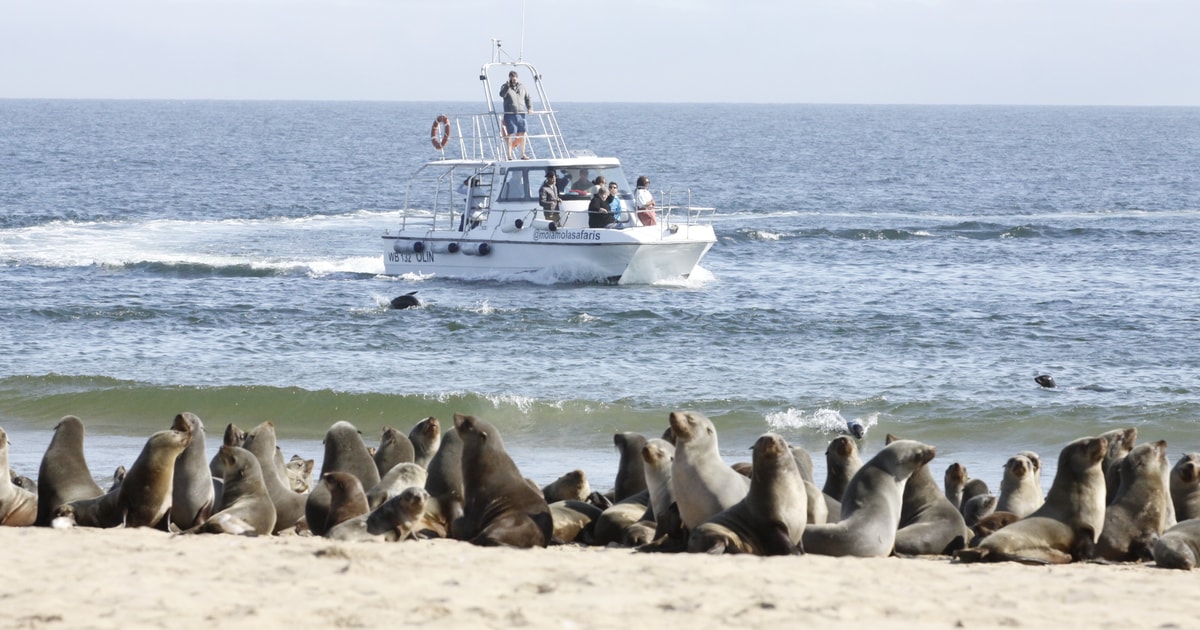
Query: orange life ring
[444,123]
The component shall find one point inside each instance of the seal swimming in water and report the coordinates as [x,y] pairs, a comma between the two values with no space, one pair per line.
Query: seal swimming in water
[872,504]
[499,508]
[770,519]
[63,476]
[408,300]
[1067,525]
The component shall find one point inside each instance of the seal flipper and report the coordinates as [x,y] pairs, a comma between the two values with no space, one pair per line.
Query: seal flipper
[777,542]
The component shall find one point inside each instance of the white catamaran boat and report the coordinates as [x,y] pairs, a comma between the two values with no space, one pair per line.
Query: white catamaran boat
[477,212]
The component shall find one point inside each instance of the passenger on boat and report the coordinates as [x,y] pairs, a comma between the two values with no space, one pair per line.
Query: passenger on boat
[616,205]
[597,184]
[476,200]
[599,213]
[564,182]
[643,201]
[548,198]
[517,102]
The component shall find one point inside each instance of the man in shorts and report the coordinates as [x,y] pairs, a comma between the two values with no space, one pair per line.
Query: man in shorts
[517,102]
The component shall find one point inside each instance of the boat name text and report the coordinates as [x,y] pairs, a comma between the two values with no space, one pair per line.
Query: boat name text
[423,257]
[566,235]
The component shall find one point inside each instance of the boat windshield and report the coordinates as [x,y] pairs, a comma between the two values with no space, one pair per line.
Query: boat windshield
[574,182]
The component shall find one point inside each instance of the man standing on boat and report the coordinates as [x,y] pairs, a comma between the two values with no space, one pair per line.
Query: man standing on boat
[517,102]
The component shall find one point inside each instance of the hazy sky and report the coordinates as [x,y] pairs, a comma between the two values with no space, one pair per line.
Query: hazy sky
[1090,52]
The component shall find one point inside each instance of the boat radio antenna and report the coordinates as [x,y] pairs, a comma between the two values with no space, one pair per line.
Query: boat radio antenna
[521,53]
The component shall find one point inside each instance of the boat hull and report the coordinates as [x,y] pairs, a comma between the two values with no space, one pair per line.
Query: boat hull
[633,256]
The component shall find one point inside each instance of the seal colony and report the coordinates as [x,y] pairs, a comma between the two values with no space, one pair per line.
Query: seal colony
[671,494]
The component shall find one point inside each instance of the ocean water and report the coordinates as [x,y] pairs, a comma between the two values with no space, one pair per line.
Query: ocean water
[914,267]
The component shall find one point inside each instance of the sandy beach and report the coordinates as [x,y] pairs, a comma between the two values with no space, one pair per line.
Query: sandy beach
[121,578]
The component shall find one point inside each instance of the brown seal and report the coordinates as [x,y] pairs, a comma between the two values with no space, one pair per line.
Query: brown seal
[571,486]
[261,442]
[702,483]
[344,452]
[1185,487]
[1067,525]
[989,524]
[1120,442]
[669,532]
[574,521]
[1179,546]
[841,462]
[192,497]
[401,517]
[929,523]
[980,507]
[822,508]
[346,500]
[973,488]
[246,505]
[1021,487]
[500,508]
[299,473]
[445,482]
[401,477]
[394,448]
[955,480]
[872,504]
[233,436]
[63,476]
[18,506]
[1137,514]
[770,520]
[144,498]
[426,438]
[631,472]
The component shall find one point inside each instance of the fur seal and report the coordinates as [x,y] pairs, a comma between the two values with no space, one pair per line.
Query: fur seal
[400,517]
[570,486]
[145,497]
[929,523]
[841,462]
[973,488]
[1185,487]
[18,506]
[574,521]
[989,524]
[394,448]
[401,477]
[770,519]
[631,473]
[499,507]
[1067,525]
[1179,546]
[1045,380]
[980,507]
[872,504]
[702,483]
[246,505]
[346,501]
[299,473]
[408,300]
[445,482]
[64,476]
[193,495]
[1120,442]
[613,525]
[289,505]
[856,428]
[822,508]
[233,436]
[344,452]
[426,438]
[955,480]
[658,456]
[1137,514]
[1021,488]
